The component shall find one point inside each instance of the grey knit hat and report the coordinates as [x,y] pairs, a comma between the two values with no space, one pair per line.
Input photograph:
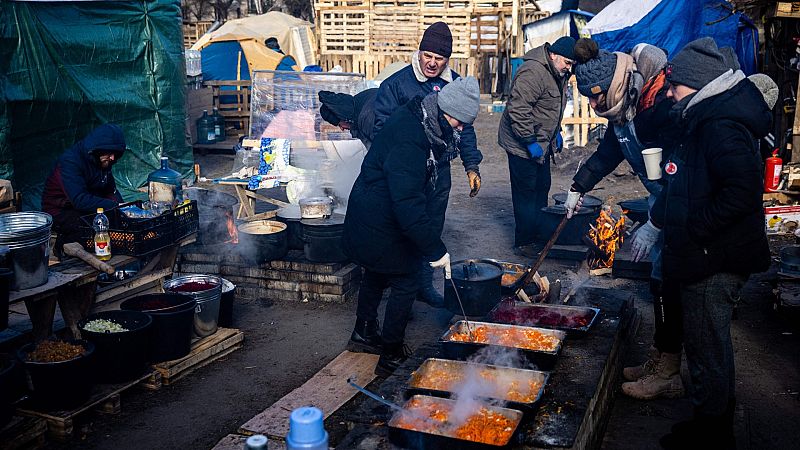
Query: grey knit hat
[697,64]
[649,60]
[767,86]
[595,68]
[460,99]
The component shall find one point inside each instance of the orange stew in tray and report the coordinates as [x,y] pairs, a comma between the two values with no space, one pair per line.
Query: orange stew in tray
[521,337]
[431,416]
[516,390]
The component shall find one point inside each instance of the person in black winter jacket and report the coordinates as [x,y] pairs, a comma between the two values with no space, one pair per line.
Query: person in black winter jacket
[389,226]
[82,181]
[429,72]
[350,112]
[714,237]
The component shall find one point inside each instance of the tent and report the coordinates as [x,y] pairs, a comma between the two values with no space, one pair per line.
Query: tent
[549,29]
[236,49]
[67,67]
[671,24]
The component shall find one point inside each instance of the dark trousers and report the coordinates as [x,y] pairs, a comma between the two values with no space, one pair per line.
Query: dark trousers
[398,307]
[437,196]
[707,310]
[530,185]
[668,336]
[67,225]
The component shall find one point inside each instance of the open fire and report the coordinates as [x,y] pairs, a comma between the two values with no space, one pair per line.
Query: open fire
[607,237]
[233,232]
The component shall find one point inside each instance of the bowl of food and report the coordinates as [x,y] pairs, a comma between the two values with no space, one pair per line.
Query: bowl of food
[574,320]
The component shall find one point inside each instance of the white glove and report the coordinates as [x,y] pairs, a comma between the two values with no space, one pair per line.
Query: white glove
[573,203]
[443,262]
[643,241]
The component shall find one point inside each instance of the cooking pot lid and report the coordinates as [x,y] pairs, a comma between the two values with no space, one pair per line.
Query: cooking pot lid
[589,201]
[334,219]
[475,270]
[636,205]
[559,209]
[289,212]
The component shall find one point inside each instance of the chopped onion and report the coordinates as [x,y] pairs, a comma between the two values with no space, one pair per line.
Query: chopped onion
[103,326]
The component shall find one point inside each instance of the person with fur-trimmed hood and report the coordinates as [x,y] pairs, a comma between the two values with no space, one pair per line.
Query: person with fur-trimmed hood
[429,72]
[711,215]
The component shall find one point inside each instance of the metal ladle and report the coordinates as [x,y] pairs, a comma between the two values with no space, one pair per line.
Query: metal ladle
[352,382]
[458,297]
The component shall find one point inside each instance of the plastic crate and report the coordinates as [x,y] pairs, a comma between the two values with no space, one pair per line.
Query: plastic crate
[135,237]
[186,220]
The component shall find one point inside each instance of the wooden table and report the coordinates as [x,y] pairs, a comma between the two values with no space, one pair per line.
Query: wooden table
[73,285]
[247,200]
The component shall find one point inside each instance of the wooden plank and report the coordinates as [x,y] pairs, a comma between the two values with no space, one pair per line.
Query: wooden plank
[109,292]
[327,390]
[23,433]
[204,351]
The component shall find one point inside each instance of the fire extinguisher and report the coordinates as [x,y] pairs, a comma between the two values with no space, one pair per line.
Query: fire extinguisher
[772,173]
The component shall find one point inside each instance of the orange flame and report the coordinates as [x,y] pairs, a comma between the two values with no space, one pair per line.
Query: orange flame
[607,235]
[232,231]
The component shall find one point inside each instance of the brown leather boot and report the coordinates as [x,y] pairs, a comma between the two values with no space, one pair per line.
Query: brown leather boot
[664,382]
[646,368]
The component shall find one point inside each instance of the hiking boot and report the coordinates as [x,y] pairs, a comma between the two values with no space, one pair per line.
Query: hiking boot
[664,382]
[392,357]
[646,368]
[366,337]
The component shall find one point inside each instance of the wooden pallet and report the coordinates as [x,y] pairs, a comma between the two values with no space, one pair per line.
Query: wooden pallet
[343,32]
[104,398]
[460,27]
[394,30]
[23,433]
[327,390]
[358,4]
[204,351]
[449,5]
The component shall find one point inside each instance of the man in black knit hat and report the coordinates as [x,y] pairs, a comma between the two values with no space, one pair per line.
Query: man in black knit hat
[429,72]
[530,132]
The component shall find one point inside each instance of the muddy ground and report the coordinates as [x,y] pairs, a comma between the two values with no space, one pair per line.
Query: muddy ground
[286,343]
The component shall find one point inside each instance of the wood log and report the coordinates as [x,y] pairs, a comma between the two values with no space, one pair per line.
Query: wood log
[75,249]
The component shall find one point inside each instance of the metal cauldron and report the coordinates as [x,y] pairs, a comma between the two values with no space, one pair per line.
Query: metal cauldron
[27,235]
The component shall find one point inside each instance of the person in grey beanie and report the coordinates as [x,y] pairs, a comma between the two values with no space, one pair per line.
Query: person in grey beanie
[530,133]
[710,213]
[390,223]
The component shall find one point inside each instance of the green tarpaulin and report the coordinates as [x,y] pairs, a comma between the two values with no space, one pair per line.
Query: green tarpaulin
[67,67]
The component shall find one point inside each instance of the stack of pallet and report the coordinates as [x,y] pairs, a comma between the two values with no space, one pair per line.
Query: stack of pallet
[366,35]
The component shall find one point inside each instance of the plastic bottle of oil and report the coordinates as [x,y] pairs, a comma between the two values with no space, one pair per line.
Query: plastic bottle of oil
[102,240]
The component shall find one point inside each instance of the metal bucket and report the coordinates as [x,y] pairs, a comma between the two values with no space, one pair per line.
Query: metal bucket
[27,235]
[206,313]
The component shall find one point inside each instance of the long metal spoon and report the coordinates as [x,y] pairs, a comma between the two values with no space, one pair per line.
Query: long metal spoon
[372,395]
[458,297]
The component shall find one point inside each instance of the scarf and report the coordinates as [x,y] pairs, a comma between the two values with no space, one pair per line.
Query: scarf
[443,138]
[718,85]
[650,90]
[623,93]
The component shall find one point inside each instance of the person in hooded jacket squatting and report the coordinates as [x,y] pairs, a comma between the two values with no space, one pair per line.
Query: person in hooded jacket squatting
[429,72]
[82,181]
[355,113]
[630,90]
[388,227]
[530,133]
[711,215]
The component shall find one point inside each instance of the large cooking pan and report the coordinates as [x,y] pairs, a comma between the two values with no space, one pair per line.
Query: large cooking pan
[479,285]
[577,227]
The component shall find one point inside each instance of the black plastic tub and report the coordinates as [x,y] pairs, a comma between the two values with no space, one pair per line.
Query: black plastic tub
[576,228]
[12,386]
[6,277]
[574,320]
[442,438]
[226,304]
[120,356]
[453,349]
[63,384]
[173,320]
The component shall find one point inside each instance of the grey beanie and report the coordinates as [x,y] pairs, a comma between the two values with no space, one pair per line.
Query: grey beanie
[730,56]
[697,64]
[767,87]
[649,60]
[594,75]
[460,99]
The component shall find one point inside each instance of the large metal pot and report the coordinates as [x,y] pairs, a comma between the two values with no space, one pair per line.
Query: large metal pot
[637,210]
[589,201]
[290,215]
[316,207]
[323,239]
[206,290]
[215,209]
[479,282]
[576,228]
[27,235]
[261,241]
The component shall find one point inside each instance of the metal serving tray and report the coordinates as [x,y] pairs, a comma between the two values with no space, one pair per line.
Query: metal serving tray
[544,359]
[442,438]
[424,381]
[545,316]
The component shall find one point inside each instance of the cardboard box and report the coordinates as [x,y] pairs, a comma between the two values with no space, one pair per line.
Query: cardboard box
[781,219]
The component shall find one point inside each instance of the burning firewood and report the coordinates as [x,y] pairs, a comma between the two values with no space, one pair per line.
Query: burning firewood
[604,239]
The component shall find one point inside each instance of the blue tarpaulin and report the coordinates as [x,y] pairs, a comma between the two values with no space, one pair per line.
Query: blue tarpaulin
[671,24]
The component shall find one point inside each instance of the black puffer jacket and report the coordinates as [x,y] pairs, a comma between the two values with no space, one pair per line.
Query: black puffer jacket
[710,209]
[387,229]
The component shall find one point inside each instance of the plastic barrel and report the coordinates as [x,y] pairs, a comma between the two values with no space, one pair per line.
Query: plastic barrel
[63,384]
[173,316]
[120,356]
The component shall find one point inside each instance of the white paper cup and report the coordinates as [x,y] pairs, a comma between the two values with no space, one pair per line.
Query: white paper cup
[652,163]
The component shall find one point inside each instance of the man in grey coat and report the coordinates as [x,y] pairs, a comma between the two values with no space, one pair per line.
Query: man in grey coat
[530,133]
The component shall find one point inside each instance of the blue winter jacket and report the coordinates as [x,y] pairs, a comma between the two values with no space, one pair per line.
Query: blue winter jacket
[78,182]
[401,87]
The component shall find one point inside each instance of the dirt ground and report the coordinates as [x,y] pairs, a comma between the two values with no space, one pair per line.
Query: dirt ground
[286,343]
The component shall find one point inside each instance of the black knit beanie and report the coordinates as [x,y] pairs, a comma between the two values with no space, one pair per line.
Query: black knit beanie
[437,39]
[564,46]
[697,64]
[595,68]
